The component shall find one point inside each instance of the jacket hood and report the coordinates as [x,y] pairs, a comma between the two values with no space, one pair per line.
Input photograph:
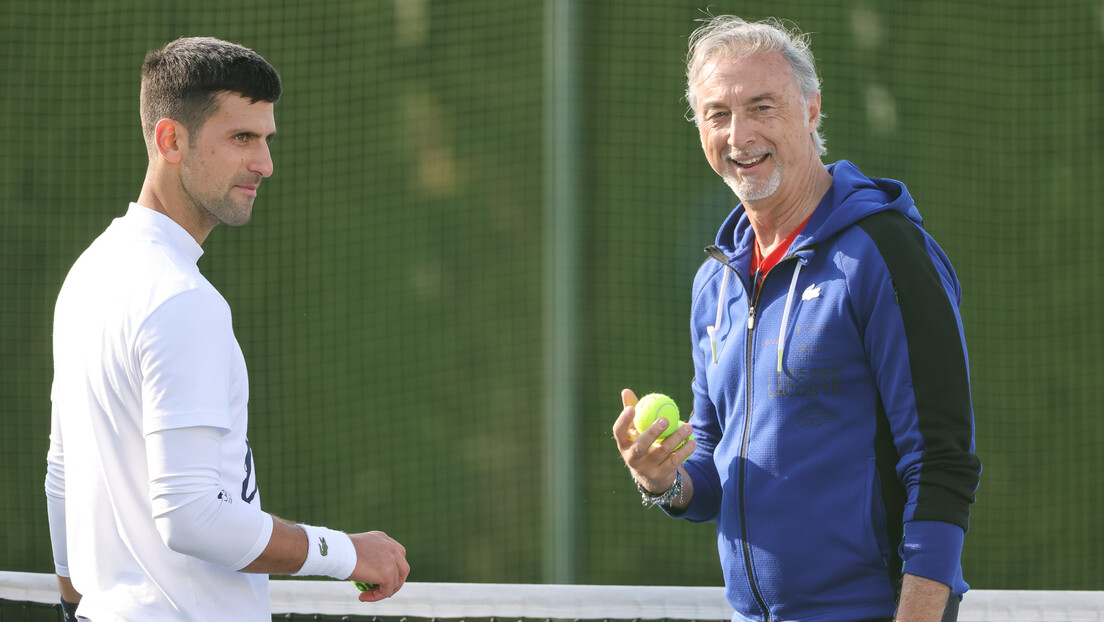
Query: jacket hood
[851,197]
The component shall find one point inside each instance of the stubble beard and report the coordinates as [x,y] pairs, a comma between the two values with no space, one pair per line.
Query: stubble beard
[754,189]
[213,206]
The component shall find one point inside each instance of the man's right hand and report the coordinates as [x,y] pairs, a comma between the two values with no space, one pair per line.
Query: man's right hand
[652,467]
[381,561]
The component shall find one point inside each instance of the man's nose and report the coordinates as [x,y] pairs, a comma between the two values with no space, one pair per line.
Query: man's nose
[738,131]
[262,161]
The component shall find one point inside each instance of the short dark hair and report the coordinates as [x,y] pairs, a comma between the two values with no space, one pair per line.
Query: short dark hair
[182,81]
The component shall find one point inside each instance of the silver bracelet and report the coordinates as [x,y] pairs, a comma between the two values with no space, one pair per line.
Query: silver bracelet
[664,498]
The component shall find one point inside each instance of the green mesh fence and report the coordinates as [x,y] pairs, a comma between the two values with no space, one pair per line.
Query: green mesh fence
[390,293]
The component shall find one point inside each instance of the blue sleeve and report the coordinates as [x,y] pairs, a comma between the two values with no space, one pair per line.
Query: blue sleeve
[914,339]
[705,503]
[933,549]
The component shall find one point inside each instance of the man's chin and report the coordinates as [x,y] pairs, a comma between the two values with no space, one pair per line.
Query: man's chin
[750,192]
[240,222]
[753,189]
[238,218]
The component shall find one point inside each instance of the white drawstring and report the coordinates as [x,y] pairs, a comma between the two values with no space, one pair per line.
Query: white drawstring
[712,330]
[786,313]
[715,328]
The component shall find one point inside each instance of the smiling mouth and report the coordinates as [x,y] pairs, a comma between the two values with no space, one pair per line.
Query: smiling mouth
[749,162]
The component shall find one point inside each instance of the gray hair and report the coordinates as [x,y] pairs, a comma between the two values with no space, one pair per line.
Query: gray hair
[738,38]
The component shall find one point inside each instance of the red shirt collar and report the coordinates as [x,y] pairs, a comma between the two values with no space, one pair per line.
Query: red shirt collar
[761,265]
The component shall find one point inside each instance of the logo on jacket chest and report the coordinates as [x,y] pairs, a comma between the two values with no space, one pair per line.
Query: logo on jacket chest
[807,381]
[812,291]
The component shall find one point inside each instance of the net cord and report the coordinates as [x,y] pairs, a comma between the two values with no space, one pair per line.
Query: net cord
[582,602]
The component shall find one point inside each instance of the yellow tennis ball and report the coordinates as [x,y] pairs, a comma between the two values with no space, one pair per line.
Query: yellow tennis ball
[652,407]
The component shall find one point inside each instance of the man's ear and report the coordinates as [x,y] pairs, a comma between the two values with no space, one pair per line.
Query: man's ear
[171,140]
[813,112]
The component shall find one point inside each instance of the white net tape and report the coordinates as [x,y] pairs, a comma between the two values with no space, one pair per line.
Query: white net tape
[582,602]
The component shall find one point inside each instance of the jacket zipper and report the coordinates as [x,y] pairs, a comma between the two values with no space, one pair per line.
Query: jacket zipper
[753,303]
[753,300]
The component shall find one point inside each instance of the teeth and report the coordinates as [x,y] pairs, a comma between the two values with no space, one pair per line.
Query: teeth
[750,162]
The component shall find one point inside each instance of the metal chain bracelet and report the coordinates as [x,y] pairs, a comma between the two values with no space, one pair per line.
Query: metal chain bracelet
[664,498]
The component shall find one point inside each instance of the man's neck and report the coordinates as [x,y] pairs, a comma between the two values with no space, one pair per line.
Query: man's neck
[158,198]
[774,218]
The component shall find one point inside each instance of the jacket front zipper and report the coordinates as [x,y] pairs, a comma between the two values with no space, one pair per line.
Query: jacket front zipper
[753,302]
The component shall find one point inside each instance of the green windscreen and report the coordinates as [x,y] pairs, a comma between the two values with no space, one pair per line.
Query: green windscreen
[392,293]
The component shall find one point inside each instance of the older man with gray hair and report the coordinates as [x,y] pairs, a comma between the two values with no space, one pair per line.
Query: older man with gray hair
[833,433]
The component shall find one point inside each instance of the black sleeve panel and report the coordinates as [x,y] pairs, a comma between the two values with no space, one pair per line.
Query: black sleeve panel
[937,359]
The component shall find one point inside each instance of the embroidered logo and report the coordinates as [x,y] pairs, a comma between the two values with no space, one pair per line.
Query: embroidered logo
[225,497]
[812,291]
[323,547]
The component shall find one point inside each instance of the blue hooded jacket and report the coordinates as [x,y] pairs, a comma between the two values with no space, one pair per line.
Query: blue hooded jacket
[832,415]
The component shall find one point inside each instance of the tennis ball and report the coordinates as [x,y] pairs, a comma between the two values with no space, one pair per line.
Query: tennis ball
[652,407]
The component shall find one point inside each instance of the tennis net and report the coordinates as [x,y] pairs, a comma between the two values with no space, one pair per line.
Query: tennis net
[32,596]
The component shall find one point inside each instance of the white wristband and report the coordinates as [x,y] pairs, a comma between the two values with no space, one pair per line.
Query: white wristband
[329,553]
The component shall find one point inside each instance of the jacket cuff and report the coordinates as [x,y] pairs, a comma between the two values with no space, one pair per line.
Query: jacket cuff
[703,503]
[933,550]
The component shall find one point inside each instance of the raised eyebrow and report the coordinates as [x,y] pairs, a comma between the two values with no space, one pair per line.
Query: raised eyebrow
[751,101]
[759,98]
[713,105]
